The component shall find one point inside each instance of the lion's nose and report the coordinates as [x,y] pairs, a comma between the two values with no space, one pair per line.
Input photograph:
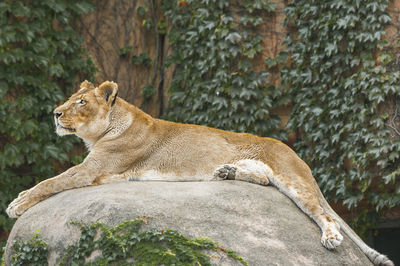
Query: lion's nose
[57,114]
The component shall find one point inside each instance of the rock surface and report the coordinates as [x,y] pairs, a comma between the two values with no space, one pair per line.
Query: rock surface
[260,223]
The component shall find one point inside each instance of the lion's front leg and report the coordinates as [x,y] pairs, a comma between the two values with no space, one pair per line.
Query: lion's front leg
[77,176]
[19,205]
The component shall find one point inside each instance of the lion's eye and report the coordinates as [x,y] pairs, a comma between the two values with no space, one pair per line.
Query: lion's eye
[81,102]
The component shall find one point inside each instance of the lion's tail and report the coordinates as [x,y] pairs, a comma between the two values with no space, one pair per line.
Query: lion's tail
[375,257]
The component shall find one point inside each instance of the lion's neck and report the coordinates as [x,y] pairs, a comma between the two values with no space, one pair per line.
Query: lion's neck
[88,145]
[121,119]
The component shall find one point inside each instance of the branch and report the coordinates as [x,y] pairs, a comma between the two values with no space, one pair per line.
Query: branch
[392,124]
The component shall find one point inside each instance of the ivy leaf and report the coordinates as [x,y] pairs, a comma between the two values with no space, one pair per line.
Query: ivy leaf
[245,65]
[385,19]
[141,10]
[125,50]
[233,37]
[148,91]
[56,70]
[317,111]
[209,25]
[19,9]
[330,49]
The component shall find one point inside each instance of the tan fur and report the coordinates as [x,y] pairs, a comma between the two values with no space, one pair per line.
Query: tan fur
[127,144]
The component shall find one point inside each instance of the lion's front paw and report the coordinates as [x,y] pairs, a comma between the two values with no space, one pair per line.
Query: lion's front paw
[18,206]
[225,172]
[331,238]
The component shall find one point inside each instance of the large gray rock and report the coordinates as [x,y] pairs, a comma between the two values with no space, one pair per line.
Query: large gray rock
[261,224]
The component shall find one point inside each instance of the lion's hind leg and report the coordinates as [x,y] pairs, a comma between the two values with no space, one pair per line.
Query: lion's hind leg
[303,192]
[295,187]
[252,171]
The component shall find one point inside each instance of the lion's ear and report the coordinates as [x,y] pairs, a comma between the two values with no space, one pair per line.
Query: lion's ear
[108,90]
[86,84]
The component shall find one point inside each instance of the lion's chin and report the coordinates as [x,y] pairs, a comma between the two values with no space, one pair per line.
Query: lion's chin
[62,131]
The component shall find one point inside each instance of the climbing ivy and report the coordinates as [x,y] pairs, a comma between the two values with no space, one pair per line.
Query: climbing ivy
[40,57]
[339,79]
[337,75]
[214,82]
[125,244]
[151,23]
[30,252]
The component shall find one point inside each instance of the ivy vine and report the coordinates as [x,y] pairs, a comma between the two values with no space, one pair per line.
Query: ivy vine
[125,244]
[334,68]
[30,252]
[40,57]
[339,79]
[214,82]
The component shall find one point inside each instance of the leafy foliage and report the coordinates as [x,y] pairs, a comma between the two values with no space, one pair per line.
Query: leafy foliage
[142,59]
[40,56]
[337,74]
[2,259]
[30,252]
[127,242]
[214,82]
[124,244]
[339,78]
[125,50]
[148,91]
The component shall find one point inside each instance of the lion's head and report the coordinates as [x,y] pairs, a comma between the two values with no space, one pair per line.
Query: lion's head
[85,114]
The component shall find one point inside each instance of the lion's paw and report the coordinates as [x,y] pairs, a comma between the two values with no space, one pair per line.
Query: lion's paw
[21,194]
[19,205]
[331,238]
[225,172]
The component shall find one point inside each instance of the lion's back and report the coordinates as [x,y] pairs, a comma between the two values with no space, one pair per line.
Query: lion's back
[197,145]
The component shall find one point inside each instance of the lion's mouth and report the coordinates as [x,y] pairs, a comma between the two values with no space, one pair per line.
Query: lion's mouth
[67,128]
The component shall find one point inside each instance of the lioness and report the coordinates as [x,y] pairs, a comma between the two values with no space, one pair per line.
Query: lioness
[127,144]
